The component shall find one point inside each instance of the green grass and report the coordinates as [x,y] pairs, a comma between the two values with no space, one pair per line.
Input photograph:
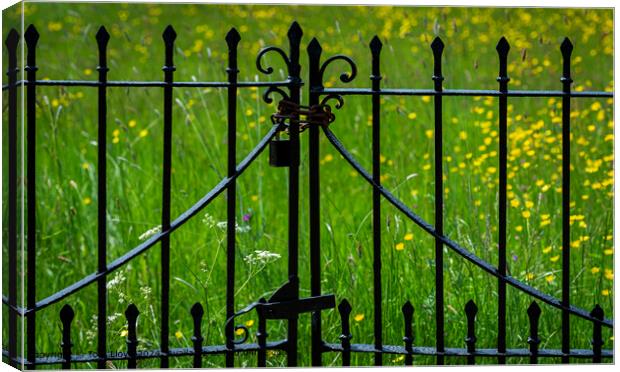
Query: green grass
[67,158]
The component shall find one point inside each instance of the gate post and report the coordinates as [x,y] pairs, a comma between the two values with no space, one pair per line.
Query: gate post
[294,35]
[314,55]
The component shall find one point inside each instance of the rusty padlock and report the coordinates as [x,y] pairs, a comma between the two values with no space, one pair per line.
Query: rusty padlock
[279,152]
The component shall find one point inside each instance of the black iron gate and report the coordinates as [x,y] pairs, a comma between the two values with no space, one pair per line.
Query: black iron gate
[286,302]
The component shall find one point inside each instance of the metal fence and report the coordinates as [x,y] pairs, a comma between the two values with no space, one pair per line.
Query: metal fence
[286,302]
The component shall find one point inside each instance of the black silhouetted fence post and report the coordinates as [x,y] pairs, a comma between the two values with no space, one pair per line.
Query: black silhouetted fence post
[232,40]
[566,48]
[503,79]
[132,338]
[314,57]
[470,312]
[597,334]
[408,339]
[11,43]
[169,36]
[261,336]
[102,38]
[197,313]
[31,36]
[533,312]
[345,336]
[375,77]
[294,35]
[66,317]
[437,47]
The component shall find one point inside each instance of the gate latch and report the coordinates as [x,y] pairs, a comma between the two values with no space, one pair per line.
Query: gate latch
[279,149]
[283,304]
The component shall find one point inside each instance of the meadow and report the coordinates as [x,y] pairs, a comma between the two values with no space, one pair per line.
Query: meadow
[66,157]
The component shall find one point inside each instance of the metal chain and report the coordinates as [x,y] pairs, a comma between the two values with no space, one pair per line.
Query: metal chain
[313,115]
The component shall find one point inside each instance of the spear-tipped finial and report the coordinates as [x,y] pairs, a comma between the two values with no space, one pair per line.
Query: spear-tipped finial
[375,45]
[132,313]
[314,47]
[197,310]
[169,35]
[66,314]
[502,47]
[566,48]
[533,311]
[408,309]
[102,36]
[295,32]
[32,36]
[470,308]
[344,308]
[233,38]
[12,39]
[437,46]
[597,312]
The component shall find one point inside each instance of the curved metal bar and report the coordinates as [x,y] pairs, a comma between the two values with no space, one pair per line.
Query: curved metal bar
[455,246]
[267,95]
[266,50]
[178,222]
[337,97]
[344,77]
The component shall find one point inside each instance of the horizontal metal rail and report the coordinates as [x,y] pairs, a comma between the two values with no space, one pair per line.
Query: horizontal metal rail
[461,352]
[143,247]
[462,92]
[152,354]
[455,246]
[147,84]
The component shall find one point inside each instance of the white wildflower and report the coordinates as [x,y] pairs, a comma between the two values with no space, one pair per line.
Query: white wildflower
[208,220]
[261,257]
[240,229]
[145,291]
[113,317]
[151,232]
[118,279]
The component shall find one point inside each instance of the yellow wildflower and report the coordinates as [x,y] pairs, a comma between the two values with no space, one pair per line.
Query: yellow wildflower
[595,270]
[358,317]
[555,258]
[408,236]
[549,278]
[178,335]
[400,246]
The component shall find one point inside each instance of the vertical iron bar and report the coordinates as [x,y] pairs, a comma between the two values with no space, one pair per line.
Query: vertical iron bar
[314,56]
[197,313]
[31,36]
[132,338]
[102,41]
[11,43]
[470,311]
[502,49]
[261,335]
[437,47]
[294,35]
[597,335]
[169,36]
[375,49]
[232,39]
[533,312]
[408,339]
[66,317]
[566,49]
[344,308]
